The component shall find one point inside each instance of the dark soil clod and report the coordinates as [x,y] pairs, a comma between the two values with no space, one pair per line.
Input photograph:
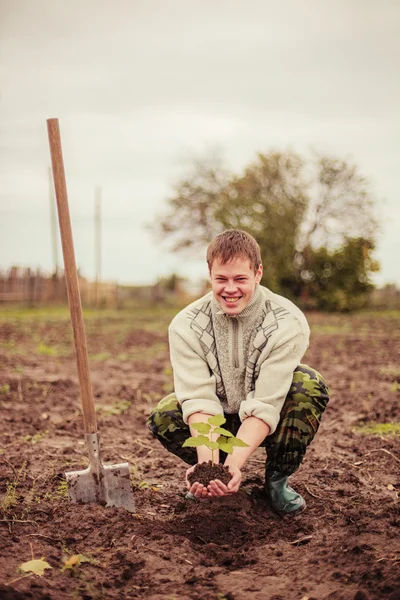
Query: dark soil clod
[206,472]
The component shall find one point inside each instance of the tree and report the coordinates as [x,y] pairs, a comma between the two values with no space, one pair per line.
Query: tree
[340,206]
[190,223]
[293,209]
[339,279]
[267,201]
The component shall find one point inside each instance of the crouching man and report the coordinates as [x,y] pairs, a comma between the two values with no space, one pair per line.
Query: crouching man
[237,351]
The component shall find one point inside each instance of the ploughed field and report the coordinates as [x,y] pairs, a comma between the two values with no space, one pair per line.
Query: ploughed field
[346,545]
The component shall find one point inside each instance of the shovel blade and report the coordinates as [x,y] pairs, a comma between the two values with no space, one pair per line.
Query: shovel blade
[108,485]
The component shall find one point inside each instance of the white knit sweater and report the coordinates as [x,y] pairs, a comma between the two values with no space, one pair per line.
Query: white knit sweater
[242,364]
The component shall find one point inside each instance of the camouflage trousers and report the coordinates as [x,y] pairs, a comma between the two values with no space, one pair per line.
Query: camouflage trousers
[286,447]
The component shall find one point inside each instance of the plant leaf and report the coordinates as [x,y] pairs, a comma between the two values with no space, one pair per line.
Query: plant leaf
[212,445]
[192,442]
[226,447]
[223,431]
[238,442]
[36,566]
[76,560]
[201,427]
[217,420]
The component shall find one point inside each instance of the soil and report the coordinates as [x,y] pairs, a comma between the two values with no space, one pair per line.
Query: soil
[206,472]
[345,546]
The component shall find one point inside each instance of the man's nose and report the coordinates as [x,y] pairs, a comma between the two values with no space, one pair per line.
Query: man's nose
[230,286]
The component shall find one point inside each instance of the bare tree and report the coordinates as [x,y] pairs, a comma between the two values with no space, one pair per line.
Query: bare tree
[341,205]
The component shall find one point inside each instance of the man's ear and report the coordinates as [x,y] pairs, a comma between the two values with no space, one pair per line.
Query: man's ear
[259,273]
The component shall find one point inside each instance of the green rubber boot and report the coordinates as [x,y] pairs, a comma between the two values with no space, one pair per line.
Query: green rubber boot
[283,499]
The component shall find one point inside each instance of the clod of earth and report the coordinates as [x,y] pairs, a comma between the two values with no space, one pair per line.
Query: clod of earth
[206,472]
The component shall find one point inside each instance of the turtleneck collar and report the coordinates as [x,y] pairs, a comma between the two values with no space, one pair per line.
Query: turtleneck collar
[247,312]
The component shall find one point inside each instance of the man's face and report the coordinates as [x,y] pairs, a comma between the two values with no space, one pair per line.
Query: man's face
[233,284]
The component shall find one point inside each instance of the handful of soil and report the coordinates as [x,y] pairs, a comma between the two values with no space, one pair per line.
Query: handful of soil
[206,472]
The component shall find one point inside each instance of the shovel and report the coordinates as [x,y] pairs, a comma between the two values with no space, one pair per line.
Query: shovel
[108,485]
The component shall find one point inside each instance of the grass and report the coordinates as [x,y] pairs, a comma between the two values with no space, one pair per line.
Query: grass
[379,429]
[45,350]
[331,329]
[62,489]
[36,438]
[100,356]
[391,371]
[143,312]
[11,497]
[27,332]
[118,408]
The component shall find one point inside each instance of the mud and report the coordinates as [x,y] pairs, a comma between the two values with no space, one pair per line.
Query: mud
[346,545]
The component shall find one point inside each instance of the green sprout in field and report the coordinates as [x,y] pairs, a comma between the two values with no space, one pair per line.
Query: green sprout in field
[225,441]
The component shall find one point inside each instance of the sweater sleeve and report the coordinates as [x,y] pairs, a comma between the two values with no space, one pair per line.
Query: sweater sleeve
[275,378]
[195,386]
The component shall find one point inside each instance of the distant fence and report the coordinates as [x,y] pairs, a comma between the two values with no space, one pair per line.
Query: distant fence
[32,288]
[387,297]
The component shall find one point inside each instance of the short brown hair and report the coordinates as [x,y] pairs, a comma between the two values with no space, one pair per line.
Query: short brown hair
[232,243]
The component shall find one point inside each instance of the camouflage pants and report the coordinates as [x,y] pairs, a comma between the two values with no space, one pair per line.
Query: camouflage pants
[300,418]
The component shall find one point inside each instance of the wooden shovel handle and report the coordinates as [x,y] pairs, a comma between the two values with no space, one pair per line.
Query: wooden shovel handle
[71,277]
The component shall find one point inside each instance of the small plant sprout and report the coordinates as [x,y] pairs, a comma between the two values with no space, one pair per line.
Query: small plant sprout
[225,441]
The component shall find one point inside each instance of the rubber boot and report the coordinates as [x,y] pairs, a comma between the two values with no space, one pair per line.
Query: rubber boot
[283,499]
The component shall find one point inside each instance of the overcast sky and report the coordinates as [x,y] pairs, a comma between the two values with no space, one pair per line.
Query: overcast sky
[141,85]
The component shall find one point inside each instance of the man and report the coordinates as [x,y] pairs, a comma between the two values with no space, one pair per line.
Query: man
[237,351]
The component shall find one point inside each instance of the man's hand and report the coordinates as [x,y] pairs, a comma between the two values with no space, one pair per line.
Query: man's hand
[218,489]
[252,431]
[197,489]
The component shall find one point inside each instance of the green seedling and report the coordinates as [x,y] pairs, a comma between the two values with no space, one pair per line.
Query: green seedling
[168,387]
[4,389]
[225,441]
[146,485]
[118,408]
[46,350]
[76,560]
[35,439]
[11,497]
[62,489]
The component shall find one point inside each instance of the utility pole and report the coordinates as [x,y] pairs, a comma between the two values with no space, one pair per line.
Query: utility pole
[97,241]
[53,220]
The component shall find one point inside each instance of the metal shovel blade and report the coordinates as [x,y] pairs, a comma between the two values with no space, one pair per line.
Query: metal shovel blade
[108,485]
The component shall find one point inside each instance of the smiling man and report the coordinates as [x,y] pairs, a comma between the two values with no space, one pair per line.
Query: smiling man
[237,352]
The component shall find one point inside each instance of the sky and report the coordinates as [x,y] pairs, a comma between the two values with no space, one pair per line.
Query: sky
[140,87]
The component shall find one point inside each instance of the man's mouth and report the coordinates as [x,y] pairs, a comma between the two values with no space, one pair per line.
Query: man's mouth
[229,300]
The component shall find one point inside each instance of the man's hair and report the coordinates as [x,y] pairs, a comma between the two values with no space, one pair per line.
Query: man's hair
[233,243]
